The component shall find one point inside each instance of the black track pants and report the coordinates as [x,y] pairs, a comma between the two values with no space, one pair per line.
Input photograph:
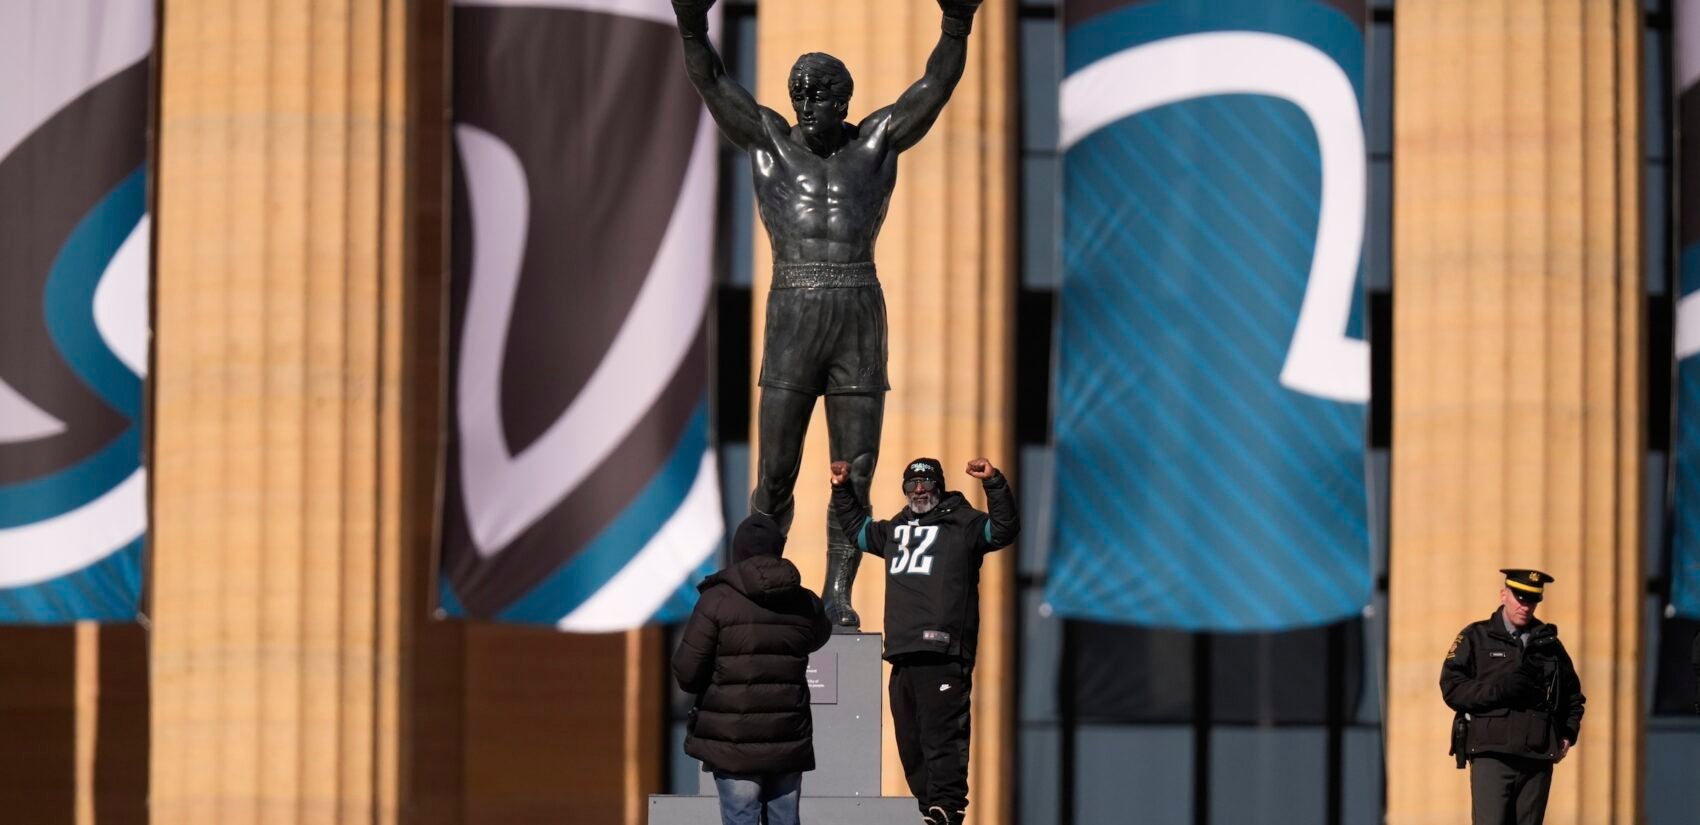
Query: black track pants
[930,709]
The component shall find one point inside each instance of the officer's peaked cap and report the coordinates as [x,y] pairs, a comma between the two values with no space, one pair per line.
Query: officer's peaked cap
[1527,585]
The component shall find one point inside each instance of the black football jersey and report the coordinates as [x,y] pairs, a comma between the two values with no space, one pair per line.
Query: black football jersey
[932,565]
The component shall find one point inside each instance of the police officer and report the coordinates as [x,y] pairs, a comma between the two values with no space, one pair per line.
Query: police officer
[1518,700]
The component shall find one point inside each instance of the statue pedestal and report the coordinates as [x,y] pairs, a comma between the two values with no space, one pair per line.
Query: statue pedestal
[846,694]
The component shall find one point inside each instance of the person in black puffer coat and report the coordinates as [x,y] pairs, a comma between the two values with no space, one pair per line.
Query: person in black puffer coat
[744,654]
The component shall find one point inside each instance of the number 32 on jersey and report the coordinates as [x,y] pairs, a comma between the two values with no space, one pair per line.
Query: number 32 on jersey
[914,559]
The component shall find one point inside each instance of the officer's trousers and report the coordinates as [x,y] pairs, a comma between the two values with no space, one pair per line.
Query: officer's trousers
[930,702]
[1508,790]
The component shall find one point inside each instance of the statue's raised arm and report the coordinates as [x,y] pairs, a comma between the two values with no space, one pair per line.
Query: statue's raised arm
[731,105]
[919,106]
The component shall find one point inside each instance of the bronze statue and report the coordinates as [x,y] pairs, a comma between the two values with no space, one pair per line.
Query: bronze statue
[823,186]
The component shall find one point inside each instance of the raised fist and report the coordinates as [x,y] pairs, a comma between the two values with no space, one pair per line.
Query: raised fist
[693,15]
[960,9]
[981,469]
[840,472]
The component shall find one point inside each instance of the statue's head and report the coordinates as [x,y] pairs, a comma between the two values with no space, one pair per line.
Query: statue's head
[820,92]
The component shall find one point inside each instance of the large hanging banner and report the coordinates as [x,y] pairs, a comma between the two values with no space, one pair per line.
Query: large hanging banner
[1685,532]
[74,88]
[582,488]
[1212,377]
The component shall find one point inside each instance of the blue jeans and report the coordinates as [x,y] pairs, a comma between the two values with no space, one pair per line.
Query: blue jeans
[762,799]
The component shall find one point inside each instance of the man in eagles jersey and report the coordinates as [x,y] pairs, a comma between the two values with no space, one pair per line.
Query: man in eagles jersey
[932,549]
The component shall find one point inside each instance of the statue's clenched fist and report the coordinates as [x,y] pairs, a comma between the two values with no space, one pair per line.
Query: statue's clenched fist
[693,16]
[962,9]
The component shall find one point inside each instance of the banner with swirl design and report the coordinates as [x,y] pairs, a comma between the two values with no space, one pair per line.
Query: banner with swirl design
[1212,376]
[582,488]
[74,270]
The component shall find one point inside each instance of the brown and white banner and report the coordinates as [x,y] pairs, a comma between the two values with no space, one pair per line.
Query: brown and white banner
[582,488]
[74,91]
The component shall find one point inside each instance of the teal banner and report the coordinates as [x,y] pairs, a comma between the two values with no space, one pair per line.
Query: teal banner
[1212,375]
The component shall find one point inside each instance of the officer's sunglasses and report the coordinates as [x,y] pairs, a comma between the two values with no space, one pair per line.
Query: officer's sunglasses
[911,485]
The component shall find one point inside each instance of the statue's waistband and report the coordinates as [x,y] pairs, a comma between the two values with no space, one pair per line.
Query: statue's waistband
[824,276]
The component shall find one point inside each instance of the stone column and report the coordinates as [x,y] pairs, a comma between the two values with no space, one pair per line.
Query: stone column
[277,599]
[1517,387]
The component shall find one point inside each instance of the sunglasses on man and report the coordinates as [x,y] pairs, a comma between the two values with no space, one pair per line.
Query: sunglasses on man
[912,485]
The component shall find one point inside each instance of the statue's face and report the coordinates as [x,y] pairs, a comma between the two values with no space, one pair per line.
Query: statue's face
[820,107]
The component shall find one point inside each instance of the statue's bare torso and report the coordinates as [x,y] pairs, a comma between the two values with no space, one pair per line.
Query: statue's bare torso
[824,209]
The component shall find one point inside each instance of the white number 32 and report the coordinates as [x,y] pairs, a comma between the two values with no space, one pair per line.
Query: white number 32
[914,559]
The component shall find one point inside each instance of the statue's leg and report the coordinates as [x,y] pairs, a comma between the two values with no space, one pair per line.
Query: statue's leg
[779,451]
[853,425]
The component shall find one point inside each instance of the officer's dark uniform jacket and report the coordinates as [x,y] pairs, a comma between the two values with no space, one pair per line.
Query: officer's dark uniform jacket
[745,650]
[1473,680]
[932,582]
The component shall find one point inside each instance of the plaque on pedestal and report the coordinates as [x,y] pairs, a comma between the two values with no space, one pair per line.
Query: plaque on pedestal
[823,678]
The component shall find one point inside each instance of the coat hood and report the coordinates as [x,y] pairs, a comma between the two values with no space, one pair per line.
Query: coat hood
[758,577]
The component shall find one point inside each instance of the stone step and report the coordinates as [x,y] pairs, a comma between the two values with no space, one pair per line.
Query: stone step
[813,810]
